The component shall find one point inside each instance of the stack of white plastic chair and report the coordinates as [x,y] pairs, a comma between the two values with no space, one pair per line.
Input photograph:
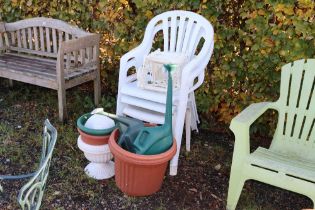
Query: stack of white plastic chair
[183,32]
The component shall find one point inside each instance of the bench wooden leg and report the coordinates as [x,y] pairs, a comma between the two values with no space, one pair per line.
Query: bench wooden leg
[97,89]
[10,83]
[62,104]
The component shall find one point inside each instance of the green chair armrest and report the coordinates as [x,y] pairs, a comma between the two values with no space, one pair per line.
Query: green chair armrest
[249,115]
[240,126]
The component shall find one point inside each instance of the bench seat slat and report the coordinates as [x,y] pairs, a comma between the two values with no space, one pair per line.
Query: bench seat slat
[44,69]
[33,57]
[31,80]
[23,60]
[29,70]
[18,49]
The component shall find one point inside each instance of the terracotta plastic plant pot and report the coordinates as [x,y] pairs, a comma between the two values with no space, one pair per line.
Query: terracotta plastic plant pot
[93,140]
[138,175]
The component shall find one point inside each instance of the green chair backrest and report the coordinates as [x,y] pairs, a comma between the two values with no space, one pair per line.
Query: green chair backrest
[31,194]
[296,106]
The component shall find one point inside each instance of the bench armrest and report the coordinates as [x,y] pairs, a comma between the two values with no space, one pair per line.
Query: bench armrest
[4,44]
[84,44]
[79,43]
[2,27]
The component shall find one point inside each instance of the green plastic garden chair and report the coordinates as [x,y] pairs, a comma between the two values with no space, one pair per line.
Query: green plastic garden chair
[289,162]
[31,194]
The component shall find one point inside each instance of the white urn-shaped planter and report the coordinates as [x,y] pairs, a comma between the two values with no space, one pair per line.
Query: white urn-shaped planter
[100,166]
[95,130]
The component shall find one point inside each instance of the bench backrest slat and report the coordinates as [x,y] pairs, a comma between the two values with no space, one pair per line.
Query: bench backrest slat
[19,38]
[35,32]
[54,36]
[30,38]
[42,42]
[2,46]
[48,43]
[39,36]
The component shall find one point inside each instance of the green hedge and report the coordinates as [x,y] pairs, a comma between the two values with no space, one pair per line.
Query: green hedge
[253,39]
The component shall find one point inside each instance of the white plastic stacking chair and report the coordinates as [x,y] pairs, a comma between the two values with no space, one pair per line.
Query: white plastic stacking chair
[182,32]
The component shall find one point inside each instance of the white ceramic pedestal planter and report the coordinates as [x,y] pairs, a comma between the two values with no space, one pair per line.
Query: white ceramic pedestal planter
[101,166]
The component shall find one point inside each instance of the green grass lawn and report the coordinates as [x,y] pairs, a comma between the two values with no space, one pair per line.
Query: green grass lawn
[200,183]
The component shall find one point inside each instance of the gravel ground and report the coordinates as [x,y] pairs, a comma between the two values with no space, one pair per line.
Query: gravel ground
[201,183]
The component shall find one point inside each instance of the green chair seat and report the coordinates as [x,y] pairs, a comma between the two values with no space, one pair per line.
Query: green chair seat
[284,164]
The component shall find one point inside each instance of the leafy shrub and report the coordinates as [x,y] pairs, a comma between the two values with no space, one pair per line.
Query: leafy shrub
[253,39]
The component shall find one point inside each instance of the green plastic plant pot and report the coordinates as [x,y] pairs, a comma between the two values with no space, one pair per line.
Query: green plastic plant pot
[95,132]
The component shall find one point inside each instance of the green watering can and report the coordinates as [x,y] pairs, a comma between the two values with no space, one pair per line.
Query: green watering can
[129,128]
[158,139]
[137,138]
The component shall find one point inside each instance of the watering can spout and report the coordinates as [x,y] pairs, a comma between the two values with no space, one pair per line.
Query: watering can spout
[129,128]
[124,120]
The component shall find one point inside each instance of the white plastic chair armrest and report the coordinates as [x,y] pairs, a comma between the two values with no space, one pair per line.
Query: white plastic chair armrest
[198,83]
[140,51]
[130,59]
[197,65]
[134,53]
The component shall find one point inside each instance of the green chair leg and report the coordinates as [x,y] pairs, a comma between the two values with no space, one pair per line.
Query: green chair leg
[235,188]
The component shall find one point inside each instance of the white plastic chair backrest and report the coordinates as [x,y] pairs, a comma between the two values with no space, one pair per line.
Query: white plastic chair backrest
[295,131]
[182,32]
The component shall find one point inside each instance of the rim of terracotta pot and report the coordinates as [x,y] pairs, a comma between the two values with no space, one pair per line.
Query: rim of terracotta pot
[95,132]
[93,140]
[136,158]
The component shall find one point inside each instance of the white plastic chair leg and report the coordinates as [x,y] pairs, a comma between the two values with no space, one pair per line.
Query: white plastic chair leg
[194,107]
[188,128]
[119,106]
[173,170]
[193,110]
[174,161]
[178,132]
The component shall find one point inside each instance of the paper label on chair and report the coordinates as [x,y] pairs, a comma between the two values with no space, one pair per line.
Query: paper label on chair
[152,75]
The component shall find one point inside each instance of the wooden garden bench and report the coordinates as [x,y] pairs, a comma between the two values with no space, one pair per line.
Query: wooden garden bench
[50,53]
